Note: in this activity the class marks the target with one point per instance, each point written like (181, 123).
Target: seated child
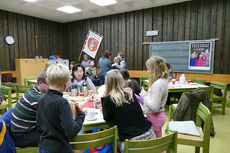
(116, 61)
(91, 71)
(54, 115)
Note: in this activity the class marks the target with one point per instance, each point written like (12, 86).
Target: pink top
(200, 61)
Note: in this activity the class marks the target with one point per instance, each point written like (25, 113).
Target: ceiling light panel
(103, 2)
(69, 9)
(31, 1)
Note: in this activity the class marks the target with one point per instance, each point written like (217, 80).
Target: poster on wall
(92, 44)
(200, 56)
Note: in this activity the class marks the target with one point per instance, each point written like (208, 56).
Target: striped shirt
(24, 114)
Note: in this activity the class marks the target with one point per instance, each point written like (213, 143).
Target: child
(116, 61)
(71, 66)
(121, 107)
(86, 61)
(193, 59)
(91, 71)
(54, 116)
(200, 60)
(155, 98)
(170, 68)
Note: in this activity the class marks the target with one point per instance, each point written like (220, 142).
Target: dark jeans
(101, 79)
(27, 139)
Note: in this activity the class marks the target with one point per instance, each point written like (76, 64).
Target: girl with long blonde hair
(156, 97)
(121, 107)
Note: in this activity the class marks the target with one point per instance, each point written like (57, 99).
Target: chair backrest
(7, 95)
(7, 77)
(158, 145)
(92, 140)
(203, 114)
(200, 81)
(142, 79)
(29, 78)
(22, 89)
(221, 86)
(27, 150)
(209, 91)
(13, 87)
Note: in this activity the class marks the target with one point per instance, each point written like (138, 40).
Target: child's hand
(78, 107)
(97, 100)
(143, 92)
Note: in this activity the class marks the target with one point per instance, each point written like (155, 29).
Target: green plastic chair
(203, 114)
(92, 140)
(209, 90)
(168, 143)
(142, 82)
(142, 79)
(200, 81)
(7, 98)
(13, 87)
(27, 150)
(222, 99)
(26, 79)
(21, 89)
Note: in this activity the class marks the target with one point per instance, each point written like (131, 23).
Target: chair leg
(205, 149)
(223, 107)
(197, 149)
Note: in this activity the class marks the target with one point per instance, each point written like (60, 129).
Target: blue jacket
(6, 142)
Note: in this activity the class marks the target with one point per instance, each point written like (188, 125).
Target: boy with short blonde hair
(54, 115)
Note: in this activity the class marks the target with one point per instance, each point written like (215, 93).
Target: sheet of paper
(184, 127)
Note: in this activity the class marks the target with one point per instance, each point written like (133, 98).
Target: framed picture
(200, 56)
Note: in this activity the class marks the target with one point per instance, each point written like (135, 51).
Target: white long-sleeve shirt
(156, 97)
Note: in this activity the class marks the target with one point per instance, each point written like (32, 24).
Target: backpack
(108, 148)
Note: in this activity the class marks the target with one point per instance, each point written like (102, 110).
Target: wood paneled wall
(194, 20)
(23, 28)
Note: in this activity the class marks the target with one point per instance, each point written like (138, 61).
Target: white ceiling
(46, 9)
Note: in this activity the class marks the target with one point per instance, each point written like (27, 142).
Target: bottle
(84, 89)
(182, 79)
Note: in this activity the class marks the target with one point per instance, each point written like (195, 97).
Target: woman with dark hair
(79, 78)
(170, 68)
(130, 82)
(105, 65)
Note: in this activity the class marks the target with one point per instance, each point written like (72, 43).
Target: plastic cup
(73, 92)
(173, 82)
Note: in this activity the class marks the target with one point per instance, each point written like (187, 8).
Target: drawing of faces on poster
(199, 56)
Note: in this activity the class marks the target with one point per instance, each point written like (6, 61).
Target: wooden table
(177, 87)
